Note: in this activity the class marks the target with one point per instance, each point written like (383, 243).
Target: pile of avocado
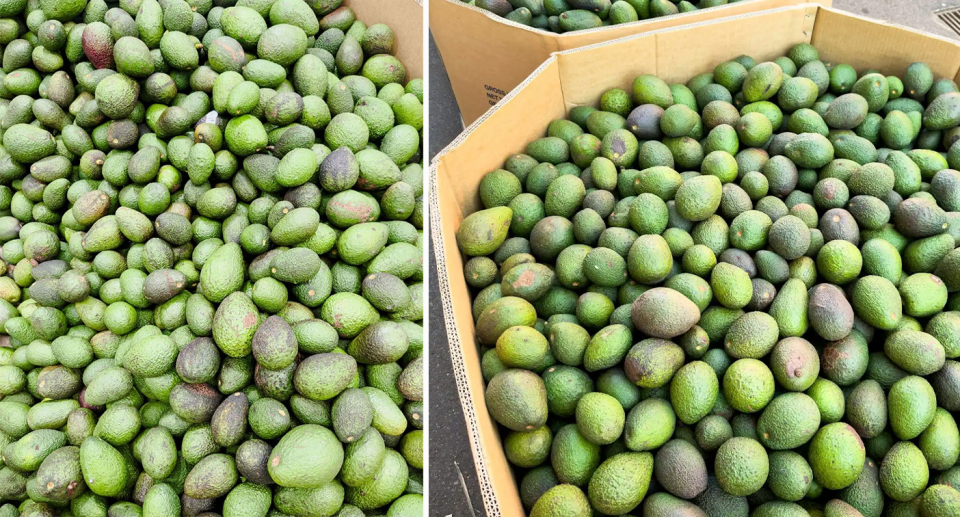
(578, 15)
(738, 296)
(211, 294)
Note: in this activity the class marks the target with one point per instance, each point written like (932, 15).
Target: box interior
(579, 77)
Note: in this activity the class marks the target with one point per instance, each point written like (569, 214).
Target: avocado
(574, 457)
(150, 357)
(693, 392)
(790, 475)
(502, 314)
(517, 399)
(836, 456)
(741, 466)
(698, 198)
(919, 217)
(104, 468)
(876, 301)
(522, 347)
(845, 361)
(829, 311)
(379, 343)
(158, 453)
(664, 313)
(324, 376)
(789, 237)
(483, 232)
(912, 406)
(748, 385)
(234, 324)
(228, 422)
(213, 476)
(866, 406)
(649, 259)
(680, 469)
(528, 449)
(939, 441)
(940, 500)
(762, 82)
(289, 467)
(560, 500)
(900, 482)
(916, 352)
(247, 497)
(600, 418)
(612, 498)
(59, 477)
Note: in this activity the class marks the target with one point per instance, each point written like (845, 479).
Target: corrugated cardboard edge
(494, 17)
(471, 416)
(405, 17)
(857, 51)
(674, 55)
(826, 15)
(817, 34)
(610, 28)
(678, 19)
(514, 50)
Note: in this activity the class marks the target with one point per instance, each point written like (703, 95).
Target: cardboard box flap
(499, 128)
(461, 4)
(864, 43)
(860, 42)
(407, 25)
(510, 51)
(494, 474)
(589, 69)
(487, 55)
(454, 198)
(762, 38)
(579, 39)
(676, 54)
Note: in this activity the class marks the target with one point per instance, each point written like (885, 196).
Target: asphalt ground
(454, 489)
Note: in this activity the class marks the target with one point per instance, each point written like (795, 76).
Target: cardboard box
(579, 77)
(405, 17)
(486, 56)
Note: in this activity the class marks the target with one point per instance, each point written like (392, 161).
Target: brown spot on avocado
(831, 356)
(525, 279)
(795, 364)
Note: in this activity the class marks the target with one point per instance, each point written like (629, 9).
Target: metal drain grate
(951, 17)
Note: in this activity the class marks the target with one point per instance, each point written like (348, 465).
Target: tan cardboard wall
(579, 77)
(864, 43)
(486, 56)
(405, 17)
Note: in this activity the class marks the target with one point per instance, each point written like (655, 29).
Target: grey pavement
(454, 489)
